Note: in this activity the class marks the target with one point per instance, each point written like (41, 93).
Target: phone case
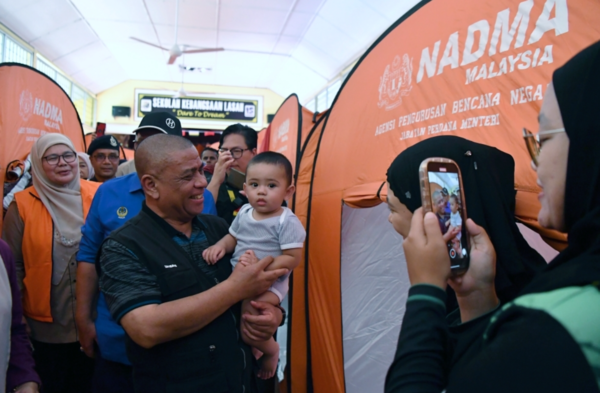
(426, 197)
(236, 179)
(424, 180)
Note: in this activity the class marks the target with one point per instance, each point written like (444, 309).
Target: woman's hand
(426, 252)
(475, 290)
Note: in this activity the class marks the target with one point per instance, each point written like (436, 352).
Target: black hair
(210, 149)
(249, 134)
(273, 158)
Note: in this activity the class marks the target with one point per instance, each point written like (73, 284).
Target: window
(322, 101)
(46, 68)
(88, 116)
(332, 92)
(15, 53)
(78, 97)
(64, 82)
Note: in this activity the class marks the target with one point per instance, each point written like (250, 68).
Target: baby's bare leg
(269, 348)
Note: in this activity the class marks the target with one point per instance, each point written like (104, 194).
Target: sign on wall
(201, 109)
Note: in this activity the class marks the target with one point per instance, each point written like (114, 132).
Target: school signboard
(201, 109)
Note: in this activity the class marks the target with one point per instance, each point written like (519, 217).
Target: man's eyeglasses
(53, 159)
(101, 157)
(235, 153)
(533, 141)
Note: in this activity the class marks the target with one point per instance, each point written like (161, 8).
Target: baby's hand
(213, 253)
(448, 223)
(248, 258)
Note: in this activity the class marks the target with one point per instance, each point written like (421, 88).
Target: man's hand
(248, 258)
(222, 166)
(475, 290)
(252, 280)
(426, 251)
(27, 387)
(450, 234)
(213, 253)
(87, 336)
(261, 327)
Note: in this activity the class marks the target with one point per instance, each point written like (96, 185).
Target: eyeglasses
(533, 141)
(53, 159)
(235, 153)
(101, 157)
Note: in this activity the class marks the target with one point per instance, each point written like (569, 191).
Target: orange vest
(37, 245)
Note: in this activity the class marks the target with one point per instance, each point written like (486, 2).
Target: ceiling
(288, 46)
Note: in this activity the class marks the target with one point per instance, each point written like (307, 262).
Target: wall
(124, 95)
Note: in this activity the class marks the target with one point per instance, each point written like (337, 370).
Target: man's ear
(253, 151)
(149, 186)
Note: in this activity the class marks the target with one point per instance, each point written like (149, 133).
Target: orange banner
(471, 68)
(262, 144)
(31, 105)
(286, 129)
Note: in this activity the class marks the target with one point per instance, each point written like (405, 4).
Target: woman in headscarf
(43, 228)
(86, 170)
(548, 338)
(488, 179)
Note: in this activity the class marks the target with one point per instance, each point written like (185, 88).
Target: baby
(455, 220)
(264, 228)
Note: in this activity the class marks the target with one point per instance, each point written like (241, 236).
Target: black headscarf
(577, 87)
(488, 181)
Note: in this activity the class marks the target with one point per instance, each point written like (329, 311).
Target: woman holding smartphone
(547, 339)
(488, 180)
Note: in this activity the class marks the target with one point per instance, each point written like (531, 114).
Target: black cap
(161, 121)
(103, 142)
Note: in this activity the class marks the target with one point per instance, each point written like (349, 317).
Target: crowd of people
(159, 274)
(129, 271)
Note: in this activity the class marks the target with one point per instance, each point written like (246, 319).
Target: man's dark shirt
(128, 284)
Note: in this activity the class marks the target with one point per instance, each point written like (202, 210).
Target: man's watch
(283, 314)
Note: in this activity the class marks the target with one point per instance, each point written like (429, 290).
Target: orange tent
(288, 129)
(263, 139)
(471, 68)
(31, 105)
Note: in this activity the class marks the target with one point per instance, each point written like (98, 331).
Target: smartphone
(236, 179)
(442, 193)
(100, 129)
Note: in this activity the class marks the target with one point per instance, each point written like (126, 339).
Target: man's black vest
(212, 360)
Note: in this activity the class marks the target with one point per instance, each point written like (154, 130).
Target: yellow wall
(124, 95)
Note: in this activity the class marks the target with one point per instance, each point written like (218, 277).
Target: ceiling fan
(175, 50)
(183, 69)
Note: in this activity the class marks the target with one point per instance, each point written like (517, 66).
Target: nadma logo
(26, 105)
(395, 83)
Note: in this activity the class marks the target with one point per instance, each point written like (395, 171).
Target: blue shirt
(115, 202)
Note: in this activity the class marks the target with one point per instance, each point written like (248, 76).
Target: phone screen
(447, 204)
